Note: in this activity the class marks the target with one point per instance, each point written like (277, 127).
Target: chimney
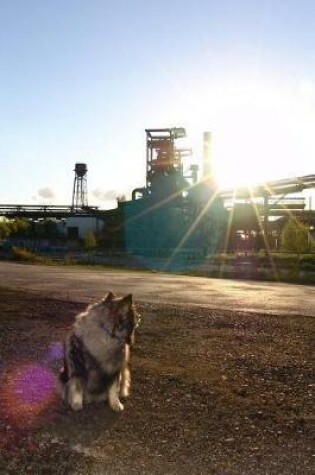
(207, 162)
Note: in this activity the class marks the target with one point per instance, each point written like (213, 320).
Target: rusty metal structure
(257, 214)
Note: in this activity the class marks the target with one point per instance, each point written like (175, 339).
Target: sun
(235, 176)
(250, 147)
(260, 132)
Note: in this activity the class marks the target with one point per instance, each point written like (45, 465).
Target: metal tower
(80, 194)
(165, 176)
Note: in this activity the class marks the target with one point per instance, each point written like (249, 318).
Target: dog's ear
(109, 297)
(125, 304)
(128, 298)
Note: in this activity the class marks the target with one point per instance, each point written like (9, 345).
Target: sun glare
(259, 132)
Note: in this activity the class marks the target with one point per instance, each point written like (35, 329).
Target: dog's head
(119, 317)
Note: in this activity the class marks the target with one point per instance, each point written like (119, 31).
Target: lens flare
(27, 390)
(54, 353)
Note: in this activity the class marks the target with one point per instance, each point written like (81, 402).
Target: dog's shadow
(70, 427)
(79, 428)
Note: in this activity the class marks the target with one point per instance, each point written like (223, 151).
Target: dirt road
(214, 392)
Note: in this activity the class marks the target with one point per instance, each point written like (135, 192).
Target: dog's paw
(77, 405)
(124, 392)
(117, 406)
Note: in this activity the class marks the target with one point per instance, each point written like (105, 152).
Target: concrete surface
(86, 284)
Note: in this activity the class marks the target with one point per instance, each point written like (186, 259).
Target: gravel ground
(214, 392)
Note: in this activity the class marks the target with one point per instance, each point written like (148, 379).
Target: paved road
(86, 284)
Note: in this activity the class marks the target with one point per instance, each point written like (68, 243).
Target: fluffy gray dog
(96, 353)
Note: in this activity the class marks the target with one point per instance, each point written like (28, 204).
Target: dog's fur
(97, 350)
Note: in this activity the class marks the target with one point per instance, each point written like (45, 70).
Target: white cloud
(102, 195)
(46, 193)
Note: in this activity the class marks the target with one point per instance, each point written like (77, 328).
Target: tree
(47, 229)
(89, 240)
(295, 237)
(4, 229)
(20, 228)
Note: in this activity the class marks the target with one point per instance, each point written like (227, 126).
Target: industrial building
(179, 211)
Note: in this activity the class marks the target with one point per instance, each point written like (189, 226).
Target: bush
(22, 254)
(89, 240)
(4, 230)
(295, 237)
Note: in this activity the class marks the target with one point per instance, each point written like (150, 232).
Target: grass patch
(25, 255)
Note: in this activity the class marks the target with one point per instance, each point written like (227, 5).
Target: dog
(97, 352)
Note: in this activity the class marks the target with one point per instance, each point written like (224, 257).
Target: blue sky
(80, 80)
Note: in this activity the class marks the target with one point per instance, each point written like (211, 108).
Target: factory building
(179, 211)
(77, 227)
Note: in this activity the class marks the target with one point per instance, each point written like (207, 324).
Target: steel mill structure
(174, 213)
(180, 211)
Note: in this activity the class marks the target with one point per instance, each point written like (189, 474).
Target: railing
(20, 210)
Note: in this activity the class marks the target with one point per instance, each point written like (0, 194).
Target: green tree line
(22, 228)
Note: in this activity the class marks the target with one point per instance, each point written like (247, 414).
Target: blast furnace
(174, 215)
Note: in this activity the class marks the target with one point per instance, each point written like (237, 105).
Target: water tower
(80, 195)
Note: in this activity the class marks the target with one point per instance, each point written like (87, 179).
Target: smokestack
(207, 162)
